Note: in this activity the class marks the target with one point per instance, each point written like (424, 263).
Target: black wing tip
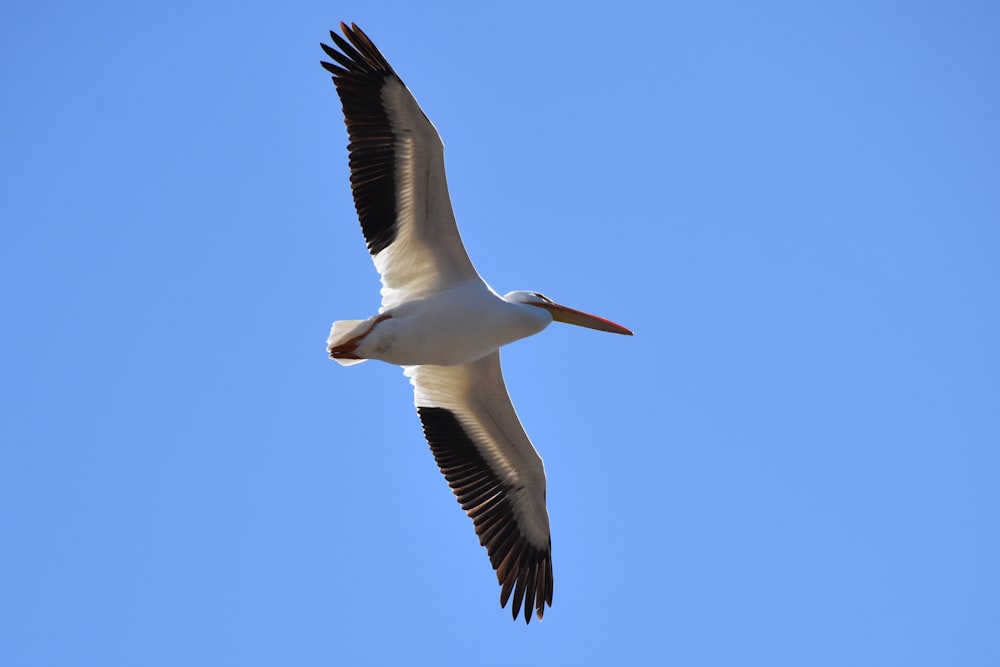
(531, 583)
(524, 570)
(357, 54)
(359, 73)
(352, 31)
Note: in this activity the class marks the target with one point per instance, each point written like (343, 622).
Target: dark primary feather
(359, 76)
(521, 567)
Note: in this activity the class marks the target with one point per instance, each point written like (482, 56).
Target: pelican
(442, 323)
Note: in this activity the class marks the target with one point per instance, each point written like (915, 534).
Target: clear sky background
(795, 461)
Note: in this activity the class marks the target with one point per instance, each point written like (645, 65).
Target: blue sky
(795, 461)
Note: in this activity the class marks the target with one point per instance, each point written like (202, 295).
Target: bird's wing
(397, 175)
(491, 465)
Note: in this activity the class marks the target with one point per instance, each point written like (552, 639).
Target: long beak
(582, 319)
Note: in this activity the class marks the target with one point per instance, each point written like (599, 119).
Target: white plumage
(442, 322)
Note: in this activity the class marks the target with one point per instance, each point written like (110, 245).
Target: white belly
(453, 327)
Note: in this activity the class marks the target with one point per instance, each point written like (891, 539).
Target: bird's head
(563, 314)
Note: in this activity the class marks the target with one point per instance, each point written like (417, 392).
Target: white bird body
(456, 326)
(442, 323)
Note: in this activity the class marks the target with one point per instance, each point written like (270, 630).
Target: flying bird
(442, 323)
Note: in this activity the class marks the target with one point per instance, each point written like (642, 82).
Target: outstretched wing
(397, 175)
(495, 472)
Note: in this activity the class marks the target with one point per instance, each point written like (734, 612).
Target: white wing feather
(476, 394)
(427, 255)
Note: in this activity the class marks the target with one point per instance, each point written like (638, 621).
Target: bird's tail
(343, 339)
